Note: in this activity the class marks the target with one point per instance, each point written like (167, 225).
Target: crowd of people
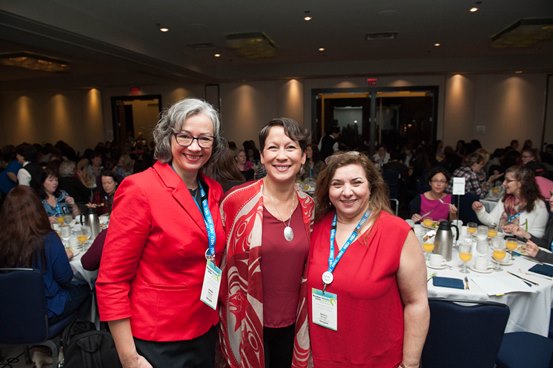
(215, 254)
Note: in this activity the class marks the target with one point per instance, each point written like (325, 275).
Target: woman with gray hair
(165, 235)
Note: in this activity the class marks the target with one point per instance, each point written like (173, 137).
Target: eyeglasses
(439, 181)
(185, 140)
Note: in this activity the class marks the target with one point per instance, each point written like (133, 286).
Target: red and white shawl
(241, 291)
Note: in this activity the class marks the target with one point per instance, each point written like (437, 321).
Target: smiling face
(282, 156)
(349, 192)
(511, 184)
(438, 183)
(187, 161)
(50, 184)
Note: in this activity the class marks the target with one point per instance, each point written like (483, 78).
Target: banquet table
(530, 311)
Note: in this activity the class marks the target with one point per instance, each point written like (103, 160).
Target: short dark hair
(292, 129)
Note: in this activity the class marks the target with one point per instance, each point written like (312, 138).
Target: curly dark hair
(529, 190)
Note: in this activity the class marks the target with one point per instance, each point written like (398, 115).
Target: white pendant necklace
(288, 231)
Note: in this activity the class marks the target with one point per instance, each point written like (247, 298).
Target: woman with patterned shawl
(268, 222)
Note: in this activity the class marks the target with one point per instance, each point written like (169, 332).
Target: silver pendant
(288, 233)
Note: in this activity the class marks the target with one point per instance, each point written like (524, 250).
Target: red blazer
(153, 262)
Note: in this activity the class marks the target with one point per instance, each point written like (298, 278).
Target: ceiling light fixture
(437, 44)
(217, 55)
(524, 33)
(164, 29)
(518, 71)
(32, 61)
(322, 49)
(307, 16)
(254, 45)
(474, 9)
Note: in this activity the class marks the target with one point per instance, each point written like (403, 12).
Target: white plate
(505, 262)
(436, 268)
(488, 270)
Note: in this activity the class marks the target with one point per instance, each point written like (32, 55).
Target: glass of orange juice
(471, 228)
(492, 232)
(428, 248)
(511, 244)
(465, 255)
(428, 222)
(60, 220)
(498, 254)
(83, 235)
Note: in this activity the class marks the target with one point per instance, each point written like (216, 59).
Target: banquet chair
(464, 333)
(525, 349)
(23, 312)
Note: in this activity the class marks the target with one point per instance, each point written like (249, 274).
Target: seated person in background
(56, 202)
(29, 173)
(470, 170)
(69, 182)
(125, 166)
(530, 158)
(533, 243)
(102, 198)
(91, 259)
(435, 203)
(245, 166)
(522, 204)
(225, 170)
(381, 156)
(27, 240)
(313, 164)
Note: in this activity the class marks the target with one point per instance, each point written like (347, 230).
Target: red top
(370, 311)
(440, 210)
(153, 262)
(282, 264)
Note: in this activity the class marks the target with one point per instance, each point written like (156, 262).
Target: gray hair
(67, 168)
(173, 119)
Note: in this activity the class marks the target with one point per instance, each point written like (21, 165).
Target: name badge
(211, 285)
(325, 309)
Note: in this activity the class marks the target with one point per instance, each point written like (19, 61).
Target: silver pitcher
(443, 243)
(90, 219)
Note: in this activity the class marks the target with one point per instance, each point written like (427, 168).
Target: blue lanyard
(209, 224)
(332, 262)
(511, 218)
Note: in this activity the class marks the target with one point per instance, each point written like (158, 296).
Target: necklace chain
(288, 232)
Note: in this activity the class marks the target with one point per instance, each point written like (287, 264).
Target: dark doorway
(134, 115)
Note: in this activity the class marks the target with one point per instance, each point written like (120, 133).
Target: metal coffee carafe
(443, 243)
(90, 219)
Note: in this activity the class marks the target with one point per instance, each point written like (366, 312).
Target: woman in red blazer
(164, 226)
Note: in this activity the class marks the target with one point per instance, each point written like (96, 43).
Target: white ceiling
(117, 42)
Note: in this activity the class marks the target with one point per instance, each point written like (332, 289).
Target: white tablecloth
(529, 311)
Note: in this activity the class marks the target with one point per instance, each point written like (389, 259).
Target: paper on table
(499, 284)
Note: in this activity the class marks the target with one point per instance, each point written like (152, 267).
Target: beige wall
(492, 108)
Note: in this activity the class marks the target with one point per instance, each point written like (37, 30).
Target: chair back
(23, 311)
(464, 333)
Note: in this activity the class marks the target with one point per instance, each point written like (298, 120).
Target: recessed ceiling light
(474, 9)
(307, 16)
(518, 71)
(164, 29)
(217, 55)
(321, 49)
(437, 44)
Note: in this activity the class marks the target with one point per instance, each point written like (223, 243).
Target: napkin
(542, 269)
(448, 282)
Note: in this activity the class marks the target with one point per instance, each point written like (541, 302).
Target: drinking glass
(65, 234)
(428, 247)
(83, 235)
(482, 232)
(511, 244)
(498, 254)
(471, 228)
(492, 232)
(60, 220)
(466, 255)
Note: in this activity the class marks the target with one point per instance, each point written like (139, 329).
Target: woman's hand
(416, 217)
(516, 230)
(477, 206)
(531, 248)
(452, 209)
(70, 200)
(139, 362)
(52, 219)
(69, 253)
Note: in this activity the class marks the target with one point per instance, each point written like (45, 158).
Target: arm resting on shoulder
(412, 287)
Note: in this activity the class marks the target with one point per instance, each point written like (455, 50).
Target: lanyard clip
(209, 257)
